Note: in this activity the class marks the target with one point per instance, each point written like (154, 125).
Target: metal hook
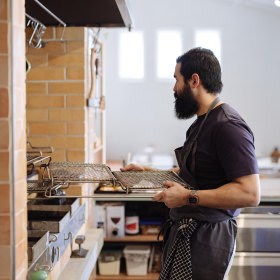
(38, 32)
(54, 16)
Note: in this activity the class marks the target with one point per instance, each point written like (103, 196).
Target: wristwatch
(193, 198)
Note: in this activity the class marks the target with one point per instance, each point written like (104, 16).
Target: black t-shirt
(225, 148)
(225, 151)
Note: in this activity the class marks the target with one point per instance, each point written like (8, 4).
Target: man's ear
(195, 80)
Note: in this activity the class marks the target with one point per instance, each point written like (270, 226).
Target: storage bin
(136, 257)
(151, 226)
(109, 262)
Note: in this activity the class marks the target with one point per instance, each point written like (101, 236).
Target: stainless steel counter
(257, 244)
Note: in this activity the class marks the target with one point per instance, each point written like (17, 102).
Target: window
(209, 39)
(169, 47)
(131, 55)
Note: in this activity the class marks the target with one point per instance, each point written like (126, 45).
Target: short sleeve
(235, 149)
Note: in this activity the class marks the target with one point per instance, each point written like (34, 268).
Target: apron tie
(178, 265)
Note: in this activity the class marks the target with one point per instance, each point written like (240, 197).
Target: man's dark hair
(204, 63)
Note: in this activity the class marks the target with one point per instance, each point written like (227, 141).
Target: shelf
(124, 197)
(123, 276)
(81, 268)
(135, 238)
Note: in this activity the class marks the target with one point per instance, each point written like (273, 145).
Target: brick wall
(13, 234)
(57, 88)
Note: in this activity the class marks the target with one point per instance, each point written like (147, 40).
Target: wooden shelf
(123, 276)
(135, 238)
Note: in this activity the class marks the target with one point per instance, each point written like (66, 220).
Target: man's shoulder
(229, 121)
(226, 113)
(227, 116)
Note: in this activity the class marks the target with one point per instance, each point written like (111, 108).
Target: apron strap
(193, 144)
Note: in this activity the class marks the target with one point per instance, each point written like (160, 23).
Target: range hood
(91, 13)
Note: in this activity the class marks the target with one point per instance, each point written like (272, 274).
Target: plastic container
(109, 262)
(131, 224)
(150, 227)
(136, 257)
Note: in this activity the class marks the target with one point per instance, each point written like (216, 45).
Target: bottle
(39, 275)
(275, 155)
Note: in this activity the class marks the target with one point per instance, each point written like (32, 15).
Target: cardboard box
(100, 217)
(115, 221)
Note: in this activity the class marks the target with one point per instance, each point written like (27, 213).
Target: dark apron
(212, 244)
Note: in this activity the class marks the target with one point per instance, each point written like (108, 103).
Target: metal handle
(69, 236)
(53, 238)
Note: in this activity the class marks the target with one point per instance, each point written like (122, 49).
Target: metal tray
(147, 180)
(71, 205)
(37, 245)
(68, 172)
(49, 221)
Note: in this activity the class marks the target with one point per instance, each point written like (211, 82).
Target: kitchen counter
(81, 268)
(270, 190)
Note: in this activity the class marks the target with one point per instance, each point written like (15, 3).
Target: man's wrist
(193, 198)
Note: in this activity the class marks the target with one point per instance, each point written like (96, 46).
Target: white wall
(142, 113)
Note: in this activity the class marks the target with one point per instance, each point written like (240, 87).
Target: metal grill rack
(35, 158)
(32, 156)
(38, 186)
(60, 175)
(147, 180)
(33, 149)
(71, 172)
(44, 187)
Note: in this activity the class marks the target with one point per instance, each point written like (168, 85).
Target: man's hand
(133, 167)
(174, 196)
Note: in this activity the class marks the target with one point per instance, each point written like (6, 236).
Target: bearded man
(218, 161)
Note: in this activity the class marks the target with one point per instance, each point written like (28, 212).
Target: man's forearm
(148, 168)
(243, 192)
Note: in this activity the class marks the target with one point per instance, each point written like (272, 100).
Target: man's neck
(206, 102)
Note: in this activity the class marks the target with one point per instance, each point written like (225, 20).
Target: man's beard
(185, 104)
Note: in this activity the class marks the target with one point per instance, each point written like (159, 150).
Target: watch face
(193, 200)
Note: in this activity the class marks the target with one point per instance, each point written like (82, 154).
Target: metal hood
(91, 13)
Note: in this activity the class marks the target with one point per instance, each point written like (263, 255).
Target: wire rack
(147, 180)
(38, 186)
(63, 172)
(60, 175)
(45, 187)
(30, 158)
